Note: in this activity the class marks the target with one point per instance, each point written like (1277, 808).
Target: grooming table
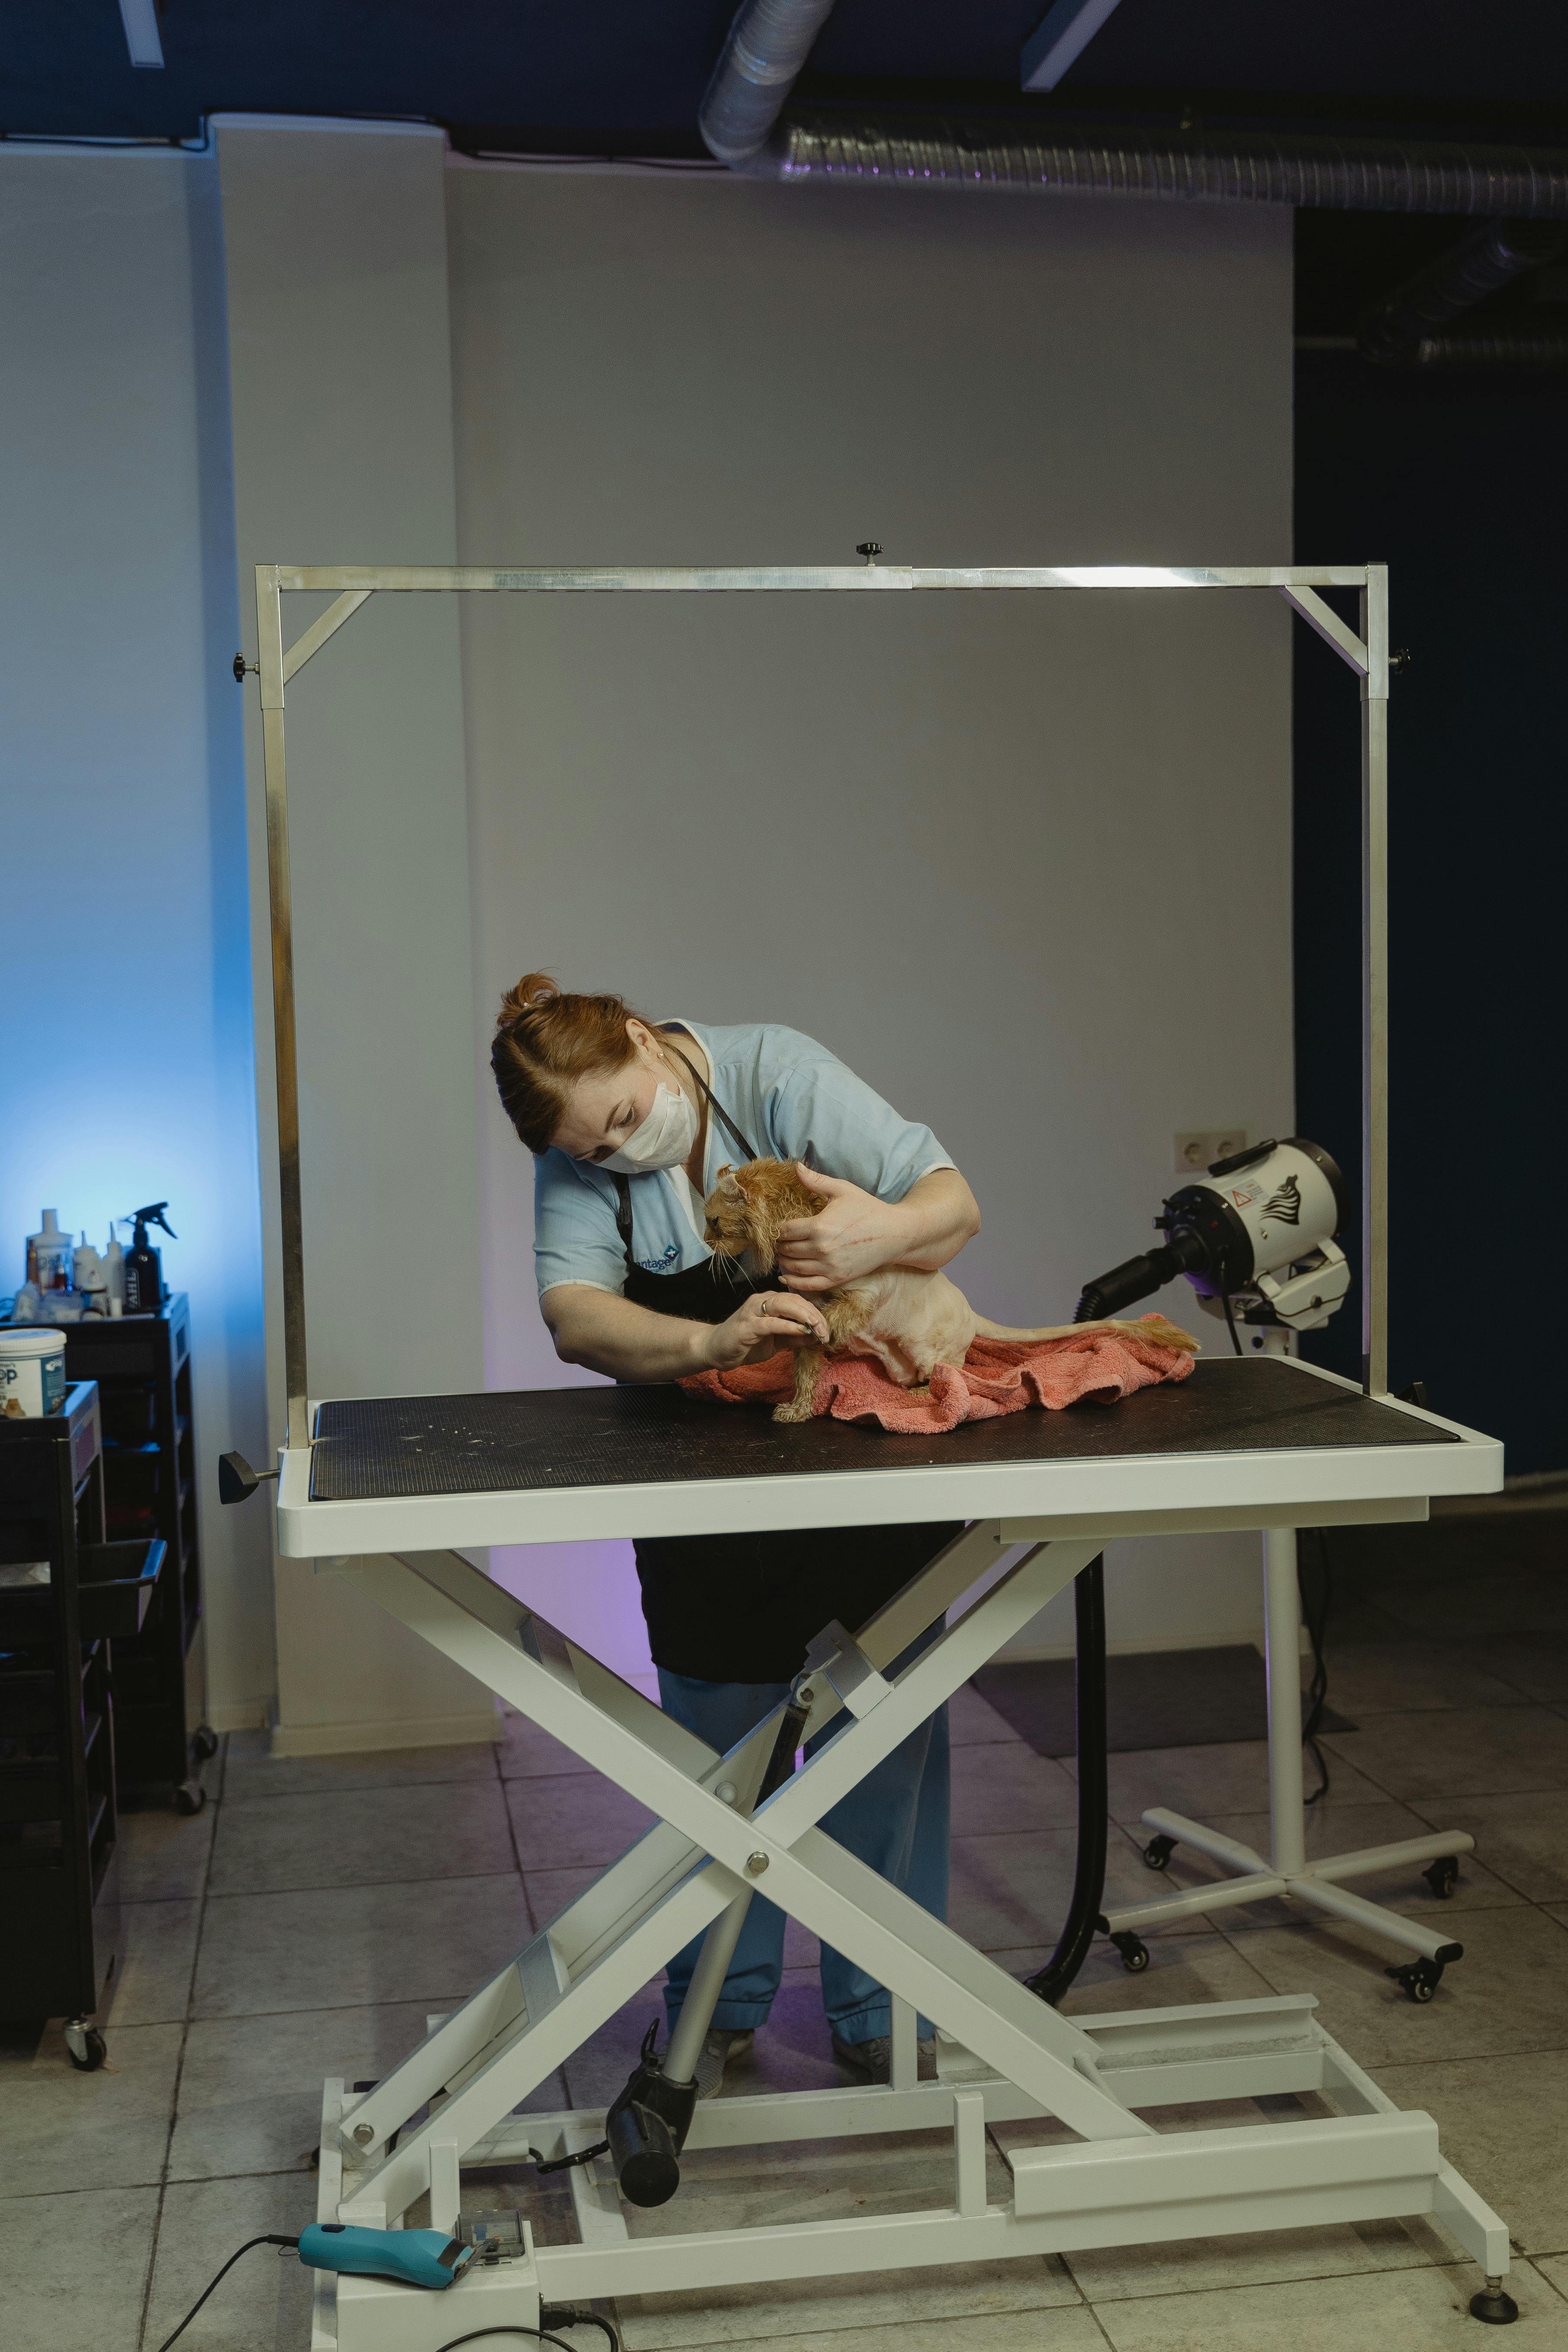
(388, 1490)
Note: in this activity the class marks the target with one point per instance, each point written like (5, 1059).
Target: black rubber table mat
(368, 1448)
(1153, 1698)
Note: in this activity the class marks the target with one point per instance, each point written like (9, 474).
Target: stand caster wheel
(1158, 1852)
(85, 2047)
(1420, 1977)
(1492, 2306)
(1443, 1876)
(204, 1743)
(1134, 1953)
(189, 1796)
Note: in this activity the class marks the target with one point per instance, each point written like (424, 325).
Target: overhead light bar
(1057, 42)
(142, 38)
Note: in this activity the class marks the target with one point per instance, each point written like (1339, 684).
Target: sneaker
(873, 2061)
(721, 2045)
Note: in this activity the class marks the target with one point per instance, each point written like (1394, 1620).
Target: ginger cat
(910, 1320)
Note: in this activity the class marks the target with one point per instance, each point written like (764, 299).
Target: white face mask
(663, 1141)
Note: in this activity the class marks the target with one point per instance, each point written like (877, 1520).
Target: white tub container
(32, 1373)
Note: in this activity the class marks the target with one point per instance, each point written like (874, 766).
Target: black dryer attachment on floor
(647, 2128)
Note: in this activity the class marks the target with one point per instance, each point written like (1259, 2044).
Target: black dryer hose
(1085, 1912)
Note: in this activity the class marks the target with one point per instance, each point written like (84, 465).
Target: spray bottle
(144, 1266)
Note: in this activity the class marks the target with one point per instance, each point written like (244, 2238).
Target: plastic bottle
(114, 1272)
(49, 1256)
(91, 1282)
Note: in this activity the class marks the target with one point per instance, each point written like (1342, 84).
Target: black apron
(741, 1608)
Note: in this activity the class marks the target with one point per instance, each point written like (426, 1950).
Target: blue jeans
(895, 1820)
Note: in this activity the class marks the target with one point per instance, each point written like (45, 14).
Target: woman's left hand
(854, 1234)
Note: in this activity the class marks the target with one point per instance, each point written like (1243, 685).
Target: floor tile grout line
(1308, 2278)
(511, 1834)
(179, 2068)
(358, 1886)
(1487, 2058)
(176, 2180)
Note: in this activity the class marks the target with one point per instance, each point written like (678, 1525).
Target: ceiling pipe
(1402, 329)
(1038, 155)
(743, 122)
(763, 52)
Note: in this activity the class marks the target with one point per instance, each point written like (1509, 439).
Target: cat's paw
(792, 1411)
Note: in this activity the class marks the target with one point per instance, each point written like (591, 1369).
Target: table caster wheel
(1134, 1953)
(204, 1743)
(189, 1796)
(1420, 1977)
(85, 2047)
(1493, 2306)
(1443, 1876)
(1158, 1852)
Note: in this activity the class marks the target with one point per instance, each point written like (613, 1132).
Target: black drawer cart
(141, 1364)
(65, 1595)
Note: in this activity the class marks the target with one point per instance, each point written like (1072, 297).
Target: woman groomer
(630, 1122)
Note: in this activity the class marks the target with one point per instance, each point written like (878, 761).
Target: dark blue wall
(1457, 483)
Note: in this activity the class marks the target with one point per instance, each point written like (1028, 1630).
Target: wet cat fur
(910, 1320)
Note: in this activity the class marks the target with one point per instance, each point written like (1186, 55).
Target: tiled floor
(308, 1920)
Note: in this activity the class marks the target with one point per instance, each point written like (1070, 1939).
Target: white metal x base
(1315, 1885)
(1002, 2055)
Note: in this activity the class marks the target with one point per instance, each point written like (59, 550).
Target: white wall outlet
(1196, 1152)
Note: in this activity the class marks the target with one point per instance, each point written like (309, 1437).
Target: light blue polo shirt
(791, 1099)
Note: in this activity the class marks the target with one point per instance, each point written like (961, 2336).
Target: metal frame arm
(353, 583)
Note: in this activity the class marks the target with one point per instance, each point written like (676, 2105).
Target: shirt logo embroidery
(663, 1263)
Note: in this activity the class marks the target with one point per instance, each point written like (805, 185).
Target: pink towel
(998, 1376)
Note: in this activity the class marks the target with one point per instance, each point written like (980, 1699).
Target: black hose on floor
(1084, 1910)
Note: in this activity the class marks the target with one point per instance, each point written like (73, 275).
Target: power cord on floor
(502, 2327)
(550, 2315)
(565, 2163)
(561, 2314)
(222, 2274)
(557, 2315)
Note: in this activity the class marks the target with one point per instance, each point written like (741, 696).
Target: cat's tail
(1153, 1328)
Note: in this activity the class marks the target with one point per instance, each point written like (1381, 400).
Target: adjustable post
(1374, 982)
(1282, 1648)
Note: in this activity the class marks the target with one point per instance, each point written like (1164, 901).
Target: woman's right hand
(769, 1321)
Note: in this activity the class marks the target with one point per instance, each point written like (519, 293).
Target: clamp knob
(870, 549)
(240, 667)
(236, 1481)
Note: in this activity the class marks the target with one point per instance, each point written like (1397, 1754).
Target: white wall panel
(1022, 861)
(340, 360)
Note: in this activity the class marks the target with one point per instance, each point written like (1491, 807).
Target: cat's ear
(727, 1180)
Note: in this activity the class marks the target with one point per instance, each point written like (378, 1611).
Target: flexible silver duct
(1309, 173)
(1403, 325)
(1493, 352)
(767, 45)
